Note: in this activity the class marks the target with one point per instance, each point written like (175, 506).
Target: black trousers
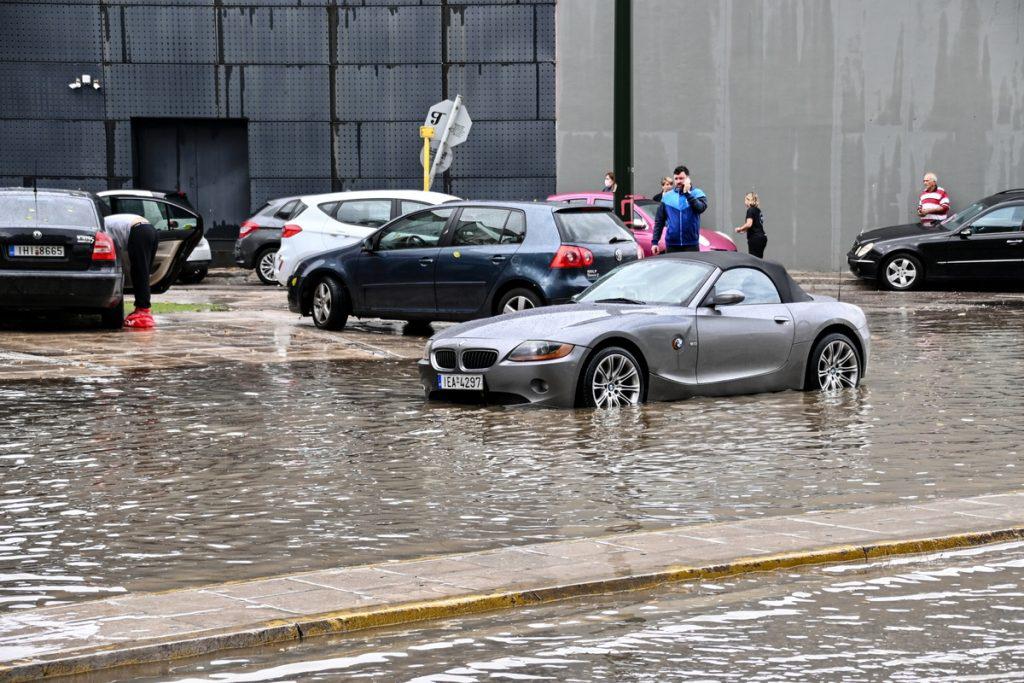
(756, 245)
(672, 248)
(141, 252)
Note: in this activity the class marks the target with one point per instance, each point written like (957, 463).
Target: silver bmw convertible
(664, 328)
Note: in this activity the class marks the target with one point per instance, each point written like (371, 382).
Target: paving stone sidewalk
(155, 627)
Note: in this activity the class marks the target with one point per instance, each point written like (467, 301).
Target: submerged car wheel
(901, 272)
(330, 305)
(614, 378)
(265, 266)
(834, 364)
(520, 299)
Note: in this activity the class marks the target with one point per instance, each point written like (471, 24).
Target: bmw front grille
(478, 359)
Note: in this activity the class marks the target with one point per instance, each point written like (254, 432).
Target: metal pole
(444, 135)
(427, 133)
(622, 109)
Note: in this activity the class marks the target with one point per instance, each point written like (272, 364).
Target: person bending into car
(680, 210)
(135, 236)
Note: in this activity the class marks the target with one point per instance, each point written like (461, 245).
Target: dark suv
(461, 261)
(260, 236)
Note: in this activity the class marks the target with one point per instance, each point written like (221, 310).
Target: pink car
(644, 212)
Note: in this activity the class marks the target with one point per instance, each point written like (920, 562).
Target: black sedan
(55, 256)
(984, 241)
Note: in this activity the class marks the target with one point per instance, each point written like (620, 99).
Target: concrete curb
(343, 621)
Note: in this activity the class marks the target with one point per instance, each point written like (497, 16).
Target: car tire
(901, 273)
(193, 276)
(330, 304)
(113, 318)
(417, 328)
(834, 364)
(518, 299)
(613, 378)
(265, 265)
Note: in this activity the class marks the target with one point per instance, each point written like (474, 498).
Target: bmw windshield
(652, 281)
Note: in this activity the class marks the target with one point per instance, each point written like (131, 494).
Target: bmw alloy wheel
(322, 303)
(838, 367)
(517, 303)
(901, 273)
(616, 382)
(266, 265)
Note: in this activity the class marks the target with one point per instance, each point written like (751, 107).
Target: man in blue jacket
(680, 209)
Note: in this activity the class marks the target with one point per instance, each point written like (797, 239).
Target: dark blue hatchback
(461, 261)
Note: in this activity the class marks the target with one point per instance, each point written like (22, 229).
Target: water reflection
(165, 479)
(950, 616)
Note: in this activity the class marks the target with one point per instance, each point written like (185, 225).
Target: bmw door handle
(497, 259)
(781, 319)
(426, 261)
(1014, 241)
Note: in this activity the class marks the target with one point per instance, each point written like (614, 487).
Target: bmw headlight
(540, 350)
(863, 251)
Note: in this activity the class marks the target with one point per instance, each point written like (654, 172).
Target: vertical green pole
(622, 92)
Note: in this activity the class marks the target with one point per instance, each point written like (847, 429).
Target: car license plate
(461, 382)
(42, 250)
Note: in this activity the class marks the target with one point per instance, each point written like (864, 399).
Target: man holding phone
(680, 211)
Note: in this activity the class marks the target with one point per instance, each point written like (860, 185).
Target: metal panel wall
(334, 90)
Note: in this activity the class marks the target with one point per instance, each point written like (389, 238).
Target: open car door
(178, 232)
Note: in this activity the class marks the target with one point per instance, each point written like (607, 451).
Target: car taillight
(103, 248)
(247, 228)
(290, 230)
(569, 256)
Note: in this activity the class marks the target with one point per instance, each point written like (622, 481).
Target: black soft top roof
(789, 290)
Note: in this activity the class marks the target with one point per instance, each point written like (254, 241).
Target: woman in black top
(666, 185)
(754, 226)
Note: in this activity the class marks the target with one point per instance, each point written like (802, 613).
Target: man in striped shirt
(933, 206)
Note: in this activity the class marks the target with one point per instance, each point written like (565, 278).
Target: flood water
(157, 480)
(952, 616)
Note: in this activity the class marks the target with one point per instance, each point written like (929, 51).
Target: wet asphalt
(246, 443)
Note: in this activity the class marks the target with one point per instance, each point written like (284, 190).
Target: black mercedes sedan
(984, 241)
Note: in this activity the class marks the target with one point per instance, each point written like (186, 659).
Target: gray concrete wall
(830, 110)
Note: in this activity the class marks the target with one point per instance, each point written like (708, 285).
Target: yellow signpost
(427, 133)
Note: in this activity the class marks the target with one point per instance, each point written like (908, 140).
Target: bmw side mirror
(368, 244)
(966, 232)
(638, 224)
(729, 297)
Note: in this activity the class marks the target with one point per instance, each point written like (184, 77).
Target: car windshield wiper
(616, 240)
(620, 300)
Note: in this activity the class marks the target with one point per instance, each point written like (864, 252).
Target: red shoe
(140, 319)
